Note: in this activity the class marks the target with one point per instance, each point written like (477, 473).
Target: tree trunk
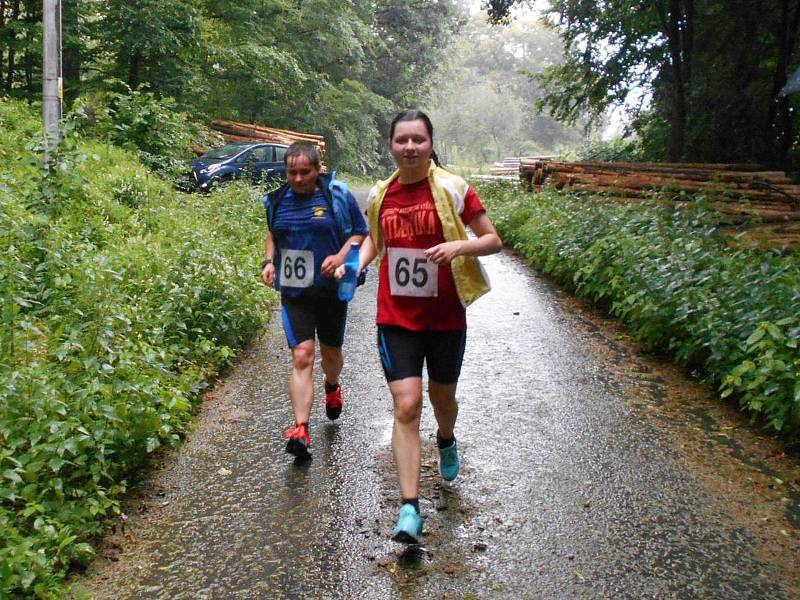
(779, 125)
(2, 26)
(11, 50)
(134, 69)
(786, 115)
(677, 34)
(31, 17)
(71, 51)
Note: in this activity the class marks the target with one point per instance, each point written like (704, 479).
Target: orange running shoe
(333, 402)
(299, 441)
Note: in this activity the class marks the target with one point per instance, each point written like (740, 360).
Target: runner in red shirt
(421, 312)
(408, 219)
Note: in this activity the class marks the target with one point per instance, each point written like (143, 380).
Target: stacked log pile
(512, 166)
(508, 168)
(532, 171)
(234, 131)
(747, 196)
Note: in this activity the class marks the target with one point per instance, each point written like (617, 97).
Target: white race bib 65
(297, 268)
(411, 273)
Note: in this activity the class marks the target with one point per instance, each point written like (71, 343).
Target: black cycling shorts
(403, 352)
(305, 318)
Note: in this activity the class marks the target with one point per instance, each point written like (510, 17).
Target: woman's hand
(443, 254)
(330, 264)
(268, 274)
(365, 256)
(341, 270)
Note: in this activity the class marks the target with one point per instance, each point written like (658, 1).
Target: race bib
(411, 273)
(297, 268)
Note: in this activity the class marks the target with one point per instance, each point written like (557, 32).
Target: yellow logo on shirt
(319, 212)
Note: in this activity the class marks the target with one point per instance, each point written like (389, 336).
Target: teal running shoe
(448, 462)
(409, 526)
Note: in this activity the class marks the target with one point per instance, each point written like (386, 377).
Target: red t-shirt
(408, 219)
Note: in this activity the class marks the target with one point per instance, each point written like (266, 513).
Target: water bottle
(347, 285)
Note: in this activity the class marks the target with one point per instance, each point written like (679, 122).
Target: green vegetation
(617, 149)
(731, 315)
(141, 121)
(340, 69)
(121, 299)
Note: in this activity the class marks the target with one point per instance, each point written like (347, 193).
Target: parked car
(254, 161)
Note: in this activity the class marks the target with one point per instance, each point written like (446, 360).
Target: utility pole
(52, 88)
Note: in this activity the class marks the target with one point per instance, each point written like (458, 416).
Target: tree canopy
(702, 76)
(336, 68)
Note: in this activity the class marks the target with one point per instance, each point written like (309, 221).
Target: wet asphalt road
(588, 472)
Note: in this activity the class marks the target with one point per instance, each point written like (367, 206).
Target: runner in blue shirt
(312, 221)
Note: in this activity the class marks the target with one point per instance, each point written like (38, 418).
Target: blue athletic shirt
(304, 222)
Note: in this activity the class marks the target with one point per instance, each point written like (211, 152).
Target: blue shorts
(403, 352)
(307, 318)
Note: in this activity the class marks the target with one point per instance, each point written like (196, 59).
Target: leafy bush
(617, 149)
(141, 121)
(120, 300)
(731, 314)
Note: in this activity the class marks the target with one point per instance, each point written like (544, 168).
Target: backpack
(332, 189)
(335, 193)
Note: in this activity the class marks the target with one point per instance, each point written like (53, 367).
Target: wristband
(267, 261)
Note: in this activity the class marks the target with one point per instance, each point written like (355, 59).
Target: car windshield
(225, 151)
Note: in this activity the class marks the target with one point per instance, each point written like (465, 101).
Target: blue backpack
(336, 195)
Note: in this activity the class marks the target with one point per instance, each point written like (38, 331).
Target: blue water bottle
(347, 285)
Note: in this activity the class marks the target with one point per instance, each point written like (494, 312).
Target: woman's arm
(332, 262)
(486, 242)
(268, 271)
(367, 254)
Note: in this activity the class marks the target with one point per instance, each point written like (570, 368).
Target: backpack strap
(326, 184)
(271, 202)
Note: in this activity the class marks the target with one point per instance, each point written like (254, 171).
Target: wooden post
(52, 89)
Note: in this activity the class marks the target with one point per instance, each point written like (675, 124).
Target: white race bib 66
(411, 273)
(297, 268)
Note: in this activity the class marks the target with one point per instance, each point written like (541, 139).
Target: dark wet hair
(415, 115)
(303, 148)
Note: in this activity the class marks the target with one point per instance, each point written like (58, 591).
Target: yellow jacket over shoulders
(448, 191)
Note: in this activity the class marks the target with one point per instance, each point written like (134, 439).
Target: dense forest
(335, 68)
(700, 80)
